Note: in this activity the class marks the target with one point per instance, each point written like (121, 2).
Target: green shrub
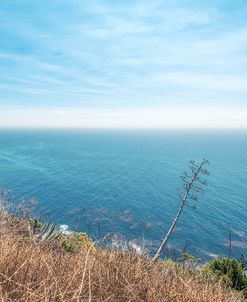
(36, 223)
(76, 241)
(230, 271)
(186, 258)
(189, 262)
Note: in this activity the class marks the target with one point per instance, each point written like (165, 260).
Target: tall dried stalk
(190, 182)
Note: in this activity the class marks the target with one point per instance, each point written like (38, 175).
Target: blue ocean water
(125, 182)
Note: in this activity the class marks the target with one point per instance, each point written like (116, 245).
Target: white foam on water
(64, 228)
(212, 255)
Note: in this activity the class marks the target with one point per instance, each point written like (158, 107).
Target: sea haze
(125, 182)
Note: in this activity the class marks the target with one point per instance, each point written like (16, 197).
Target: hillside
(46, 271)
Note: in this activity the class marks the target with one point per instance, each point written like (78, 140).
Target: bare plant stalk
(230, 242)
(189, 185)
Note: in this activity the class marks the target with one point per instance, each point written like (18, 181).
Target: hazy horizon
(123, 64)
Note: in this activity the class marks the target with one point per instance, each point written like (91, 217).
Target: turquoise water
(125, 182)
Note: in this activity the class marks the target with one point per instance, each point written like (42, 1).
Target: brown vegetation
(31, 271)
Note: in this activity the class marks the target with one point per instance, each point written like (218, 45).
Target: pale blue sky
(123, 63)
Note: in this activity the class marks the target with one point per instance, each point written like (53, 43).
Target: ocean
(125, 182)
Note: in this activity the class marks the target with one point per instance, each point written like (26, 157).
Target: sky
(123, 63)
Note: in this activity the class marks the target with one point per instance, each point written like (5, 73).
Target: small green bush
(230, 271)
(187, 258)
(76, 241)
(36, 223)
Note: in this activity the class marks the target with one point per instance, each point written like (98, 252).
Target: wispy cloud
(112, 55)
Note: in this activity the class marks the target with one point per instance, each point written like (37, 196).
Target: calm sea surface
(125, 182)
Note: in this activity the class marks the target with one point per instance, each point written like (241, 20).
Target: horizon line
(125, 128)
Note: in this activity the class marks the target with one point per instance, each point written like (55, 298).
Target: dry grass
(34, 272)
